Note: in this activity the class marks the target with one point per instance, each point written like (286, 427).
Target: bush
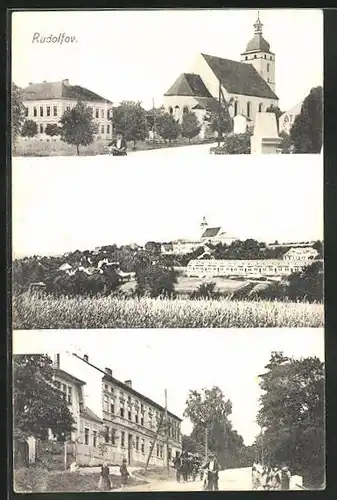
(235, 144)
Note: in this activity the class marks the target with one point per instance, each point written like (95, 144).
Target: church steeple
(203, 225)
(258, 25)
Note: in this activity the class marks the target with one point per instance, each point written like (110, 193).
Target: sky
(183, 360)
(137, 55)
(62, 204)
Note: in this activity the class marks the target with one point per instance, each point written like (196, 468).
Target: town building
(46, 102)
(248, 85)
(268, 268)
(113, 421)
(301, 253)
(215, 235)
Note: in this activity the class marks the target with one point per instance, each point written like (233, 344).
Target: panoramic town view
(242, 423)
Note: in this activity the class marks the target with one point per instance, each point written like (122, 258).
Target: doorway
(129, 449)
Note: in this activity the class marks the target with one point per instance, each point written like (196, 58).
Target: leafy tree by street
(38, 404)
(156, 280)
(17, 112)
(168, 128)
(77, 126)
(129, 118)
(190, 126)
(52, 129)
(29, 128)
(292, 415)
(307, 284)
(224, 117)
(307, 131)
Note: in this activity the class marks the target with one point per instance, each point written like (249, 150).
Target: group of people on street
(270, 477)
(118, 146)
(104, 483)
(190, 465)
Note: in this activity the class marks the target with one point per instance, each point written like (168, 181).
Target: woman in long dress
(104, 480)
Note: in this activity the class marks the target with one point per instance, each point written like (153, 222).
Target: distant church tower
(203, 225)
(259, 55)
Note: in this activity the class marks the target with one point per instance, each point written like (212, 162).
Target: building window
(137, 443)
(171, 110)
(48, 110)
(102, 113)
(94, 438)
(254, 56)
(68, 108)
(268, 67)
(41, 110)
(102, 129)
(142, 408)
(129, 415)
(136, 418)
(41, 129)
(35, 111)
(249, 109)
(106, 434)
(265, 56)
(106, 387)
(157, 450)
(55, 110)
(106, 403)
(185, 109)
(142, 446)
(112, 407)
(113, 436)
(260, 107)
(122, 439)
(122, 411)
(97, 113)
(69, 396)
(108, 129)
(26, 111)
(86, 436)
(246, 58)
(236, 108)
(142, 421)
(271, 58)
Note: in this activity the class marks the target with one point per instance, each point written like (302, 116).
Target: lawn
(38, 480)
(31, 311)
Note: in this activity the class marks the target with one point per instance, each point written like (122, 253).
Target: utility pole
(154, 441)
(219, 114)
(206, 442)
(167, 436)
(154, 123)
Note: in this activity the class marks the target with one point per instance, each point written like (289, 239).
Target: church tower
(259, 55)
(203, 225)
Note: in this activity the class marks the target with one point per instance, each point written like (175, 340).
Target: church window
(236, 105)
(254, 56)
(246, 58)
(260, 107)
(170, 110)
(185, 110)
(268, 68)
(249, 109)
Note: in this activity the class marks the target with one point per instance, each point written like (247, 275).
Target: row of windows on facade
(66, 391)
(236, 109)
(97, 113)
(264, 57)
(103, 128)
(109, 406)
(257, 269)
(111, 437)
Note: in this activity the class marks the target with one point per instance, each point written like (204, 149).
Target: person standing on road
(104, 483)
(212, 468)
(124, 473)
(285, 478)
(177, 466)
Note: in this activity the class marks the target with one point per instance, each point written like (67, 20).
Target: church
(248, 86)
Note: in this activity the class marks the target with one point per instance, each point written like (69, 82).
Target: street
(229, 480)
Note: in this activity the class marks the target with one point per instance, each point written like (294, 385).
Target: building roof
(239, 78)
(258, 43)
(252, 262)
(68, 376)
(59, 90)
(90, 415)
(210, 232)
(207, 103)
(189, 84)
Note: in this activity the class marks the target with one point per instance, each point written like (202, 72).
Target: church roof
(239, 78)
(208, 103)
(210, 232)
(258, 43)
(189, 84)
(59, 90)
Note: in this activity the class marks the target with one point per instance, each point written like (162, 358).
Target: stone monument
(265, 139)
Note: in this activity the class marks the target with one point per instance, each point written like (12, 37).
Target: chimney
(108, 371)
(86, 358)
(128, 382)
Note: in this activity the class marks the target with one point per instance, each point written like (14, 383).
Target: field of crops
(31, 311)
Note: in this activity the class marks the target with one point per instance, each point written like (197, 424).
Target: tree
(38, 404)
(276, 110)
(292, 414)
(190, 125)
(129, 118)
(155, 280)
(77, 127)
(52, 129)
(168, 128)
(221, 121)
(307, 131)
(29, 128)
(17, 112)
(307, 284)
